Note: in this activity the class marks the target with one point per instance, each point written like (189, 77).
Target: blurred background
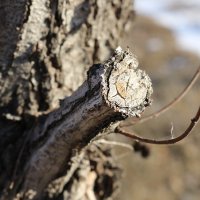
(165, 36)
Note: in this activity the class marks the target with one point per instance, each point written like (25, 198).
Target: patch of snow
(181, 16)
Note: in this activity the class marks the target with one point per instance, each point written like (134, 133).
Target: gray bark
(113, 91)
(95, 105)
(46, 48)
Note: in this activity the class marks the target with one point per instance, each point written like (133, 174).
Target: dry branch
(112, 91)
(174, 140)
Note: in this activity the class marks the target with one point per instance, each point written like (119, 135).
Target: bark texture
(113, 91)
(46, 48)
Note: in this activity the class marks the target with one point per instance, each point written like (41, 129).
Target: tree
(46, 48)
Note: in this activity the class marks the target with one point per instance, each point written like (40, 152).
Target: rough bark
(113, 91)
(46, 48)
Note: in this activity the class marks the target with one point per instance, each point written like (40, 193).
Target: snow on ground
(181, 16)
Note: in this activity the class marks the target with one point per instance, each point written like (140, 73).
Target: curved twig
(167, 141)
(169, 105)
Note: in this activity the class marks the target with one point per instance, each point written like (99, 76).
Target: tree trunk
(46, 48)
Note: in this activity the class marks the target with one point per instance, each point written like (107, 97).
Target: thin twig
(169, 105)
(167, 141)
(123, 155)
(171, 131)
(115, 143)
(121, 144)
